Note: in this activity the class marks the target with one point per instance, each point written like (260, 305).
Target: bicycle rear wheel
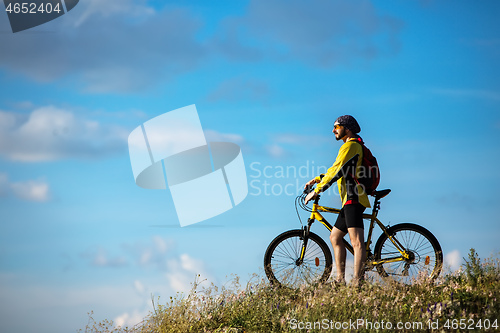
(280, 260)
(426, 256)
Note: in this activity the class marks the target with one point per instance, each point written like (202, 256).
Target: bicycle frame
(316, 215)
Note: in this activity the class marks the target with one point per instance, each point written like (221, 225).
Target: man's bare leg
(357, 236)
(339, 252)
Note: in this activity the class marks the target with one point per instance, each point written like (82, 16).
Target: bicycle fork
(305, 239)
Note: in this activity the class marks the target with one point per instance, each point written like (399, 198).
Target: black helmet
(348, 122)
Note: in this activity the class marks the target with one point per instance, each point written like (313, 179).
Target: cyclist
(354, 200)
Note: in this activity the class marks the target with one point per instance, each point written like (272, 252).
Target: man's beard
(340, 135)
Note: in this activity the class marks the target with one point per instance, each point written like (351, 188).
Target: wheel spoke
(418, 244)
(281, 261)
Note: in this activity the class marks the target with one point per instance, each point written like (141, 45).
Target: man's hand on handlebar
(311, 195)
(309, 184)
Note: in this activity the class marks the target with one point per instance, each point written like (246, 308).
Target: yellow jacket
(347, 151)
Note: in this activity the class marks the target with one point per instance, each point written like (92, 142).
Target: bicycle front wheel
(425, 254)
(281, 260)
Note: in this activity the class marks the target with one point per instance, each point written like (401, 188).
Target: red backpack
(369, 174)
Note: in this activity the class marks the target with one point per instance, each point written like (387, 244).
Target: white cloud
(160, 244)
(136, 315)
(453, 260)
(139, 287)
(48, 301)
(179, 271)
(129, 299)
(29, 190)
(130, 319)
(102, 259)
(149, 254)
(214, 136)
(146, 254)
(50, 133)
(183, 271)
(4, 184)
(7, 120)
(276, 151)
(127, 46)
(285, 143)
(112, 46)
(111, 7)
(323, 33)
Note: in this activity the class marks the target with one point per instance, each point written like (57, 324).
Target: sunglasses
(337, 126)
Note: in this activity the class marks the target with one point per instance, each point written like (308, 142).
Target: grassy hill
(460, 301)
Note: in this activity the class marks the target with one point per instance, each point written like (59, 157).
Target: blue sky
(77, 234)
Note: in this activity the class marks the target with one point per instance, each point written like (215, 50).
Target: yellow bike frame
(316, 215)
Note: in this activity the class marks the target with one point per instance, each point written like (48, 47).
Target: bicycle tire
(426, 256)
(280, 260)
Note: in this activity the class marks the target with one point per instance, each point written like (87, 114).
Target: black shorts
(350, 216)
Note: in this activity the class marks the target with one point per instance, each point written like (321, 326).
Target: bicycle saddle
(380, 194)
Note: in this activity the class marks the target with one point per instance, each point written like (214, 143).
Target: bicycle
(404, 251)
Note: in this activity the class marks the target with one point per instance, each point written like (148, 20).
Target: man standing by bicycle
(353, 196)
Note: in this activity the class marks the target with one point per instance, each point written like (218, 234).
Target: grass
(456, 301)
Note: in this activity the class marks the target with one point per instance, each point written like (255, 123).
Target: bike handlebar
(308, 189)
